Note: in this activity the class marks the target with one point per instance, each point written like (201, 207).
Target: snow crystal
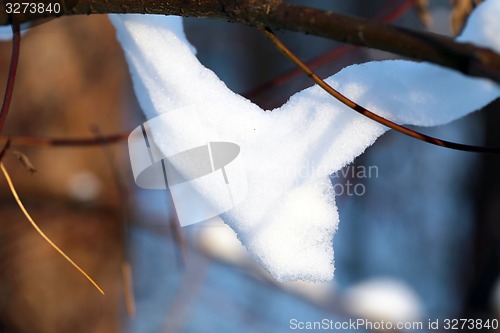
(289, 216)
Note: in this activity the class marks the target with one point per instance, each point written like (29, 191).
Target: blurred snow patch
(318, 292)
(383, 299)
(84, 186)
(218, 240)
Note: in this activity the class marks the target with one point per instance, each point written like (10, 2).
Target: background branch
(276, 14)
(14, 61)
(37, 141)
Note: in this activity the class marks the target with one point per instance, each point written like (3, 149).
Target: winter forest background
(421, 242)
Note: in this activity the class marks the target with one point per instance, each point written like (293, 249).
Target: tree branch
(440, 50)
(36, 141)
(367, 113)
(14, 61)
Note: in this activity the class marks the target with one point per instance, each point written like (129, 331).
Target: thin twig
(125, 204)
(402, 8)
(174, 225)
(40, 232)
(36, 141)
(283, 78)
(128, 287)
(329, 56)
(14, 60)
(367, 113)
(6, 147)
(176, 233)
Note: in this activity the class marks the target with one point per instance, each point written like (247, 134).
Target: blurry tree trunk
(71, 77)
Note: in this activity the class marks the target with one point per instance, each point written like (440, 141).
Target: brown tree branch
(37, 141)
(463, 57)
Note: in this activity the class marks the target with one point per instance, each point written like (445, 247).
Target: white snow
(384, 299)
(289, 216)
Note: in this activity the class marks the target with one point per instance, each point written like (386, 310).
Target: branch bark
(463, 57)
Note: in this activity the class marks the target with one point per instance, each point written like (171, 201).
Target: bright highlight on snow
(287, 221)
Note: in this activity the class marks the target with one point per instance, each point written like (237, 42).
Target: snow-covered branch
(462, 57)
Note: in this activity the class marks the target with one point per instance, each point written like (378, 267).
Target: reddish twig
(4, 150)
(65, 142)
(400, 9)
(9, 89)
(367, 113)
(174, 225)
(391, 16)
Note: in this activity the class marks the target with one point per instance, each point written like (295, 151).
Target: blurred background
(420, 242)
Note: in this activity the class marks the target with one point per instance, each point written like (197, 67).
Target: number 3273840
(32, 8)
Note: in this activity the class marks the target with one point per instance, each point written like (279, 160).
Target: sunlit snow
(289, 216)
